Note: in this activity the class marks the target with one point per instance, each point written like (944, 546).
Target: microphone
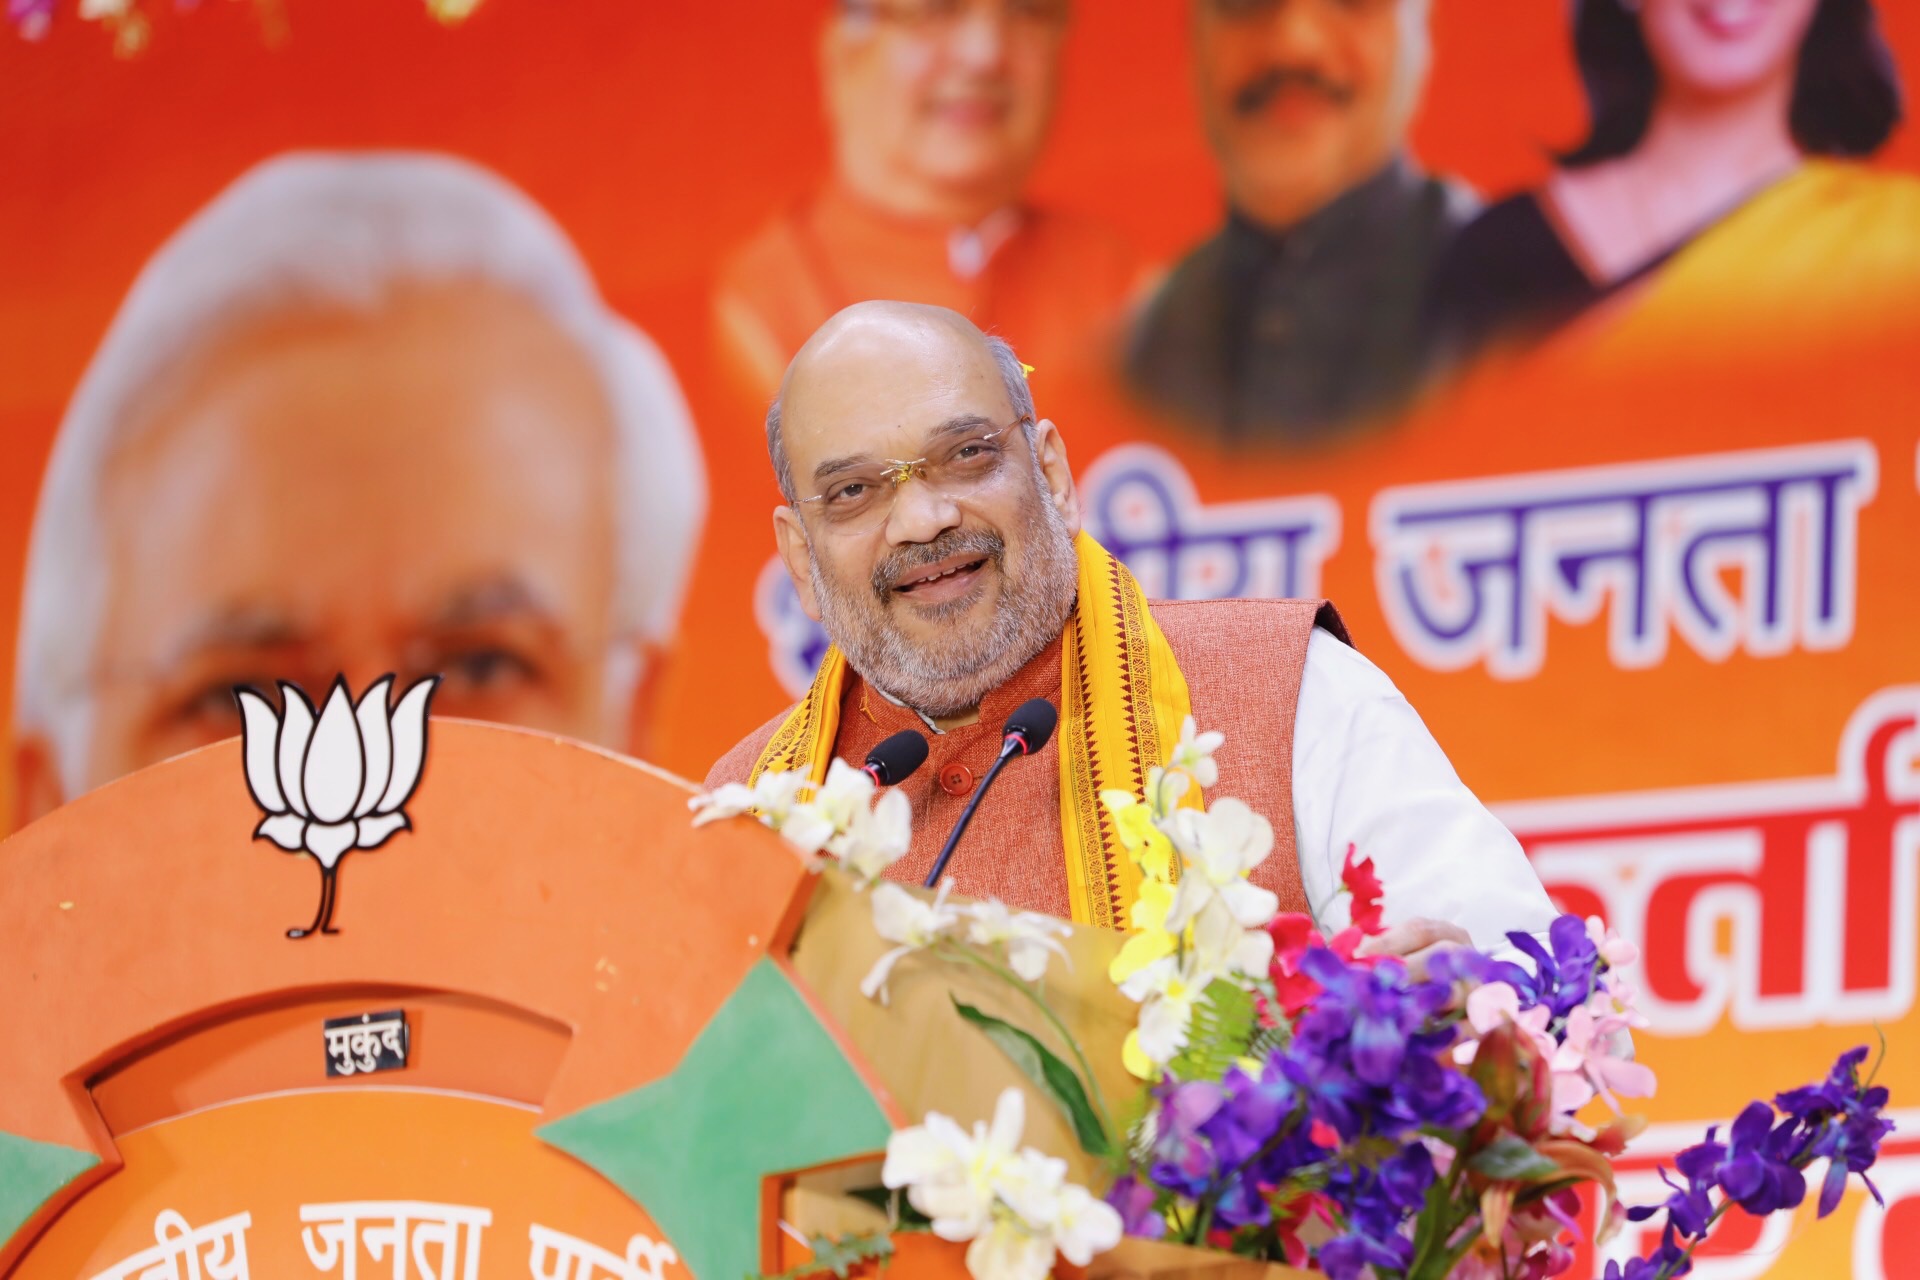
(1028, 729)
(895, 759)
(1031, 724)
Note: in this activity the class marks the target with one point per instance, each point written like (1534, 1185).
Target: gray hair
(1013, 374)
(341, 231)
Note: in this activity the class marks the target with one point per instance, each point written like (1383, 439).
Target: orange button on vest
(955, 778)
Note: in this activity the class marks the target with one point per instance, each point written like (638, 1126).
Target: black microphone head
(895, 759)
(1034, 721)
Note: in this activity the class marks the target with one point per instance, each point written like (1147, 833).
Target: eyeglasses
(939, 15)
(960, 467)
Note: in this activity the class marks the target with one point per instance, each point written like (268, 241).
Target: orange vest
(1242, 659)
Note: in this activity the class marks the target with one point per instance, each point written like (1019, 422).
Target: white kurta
(1367, 772)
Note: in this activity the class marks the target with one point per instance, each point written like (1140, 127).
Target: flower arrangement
(131, 26)
(1301, 1100)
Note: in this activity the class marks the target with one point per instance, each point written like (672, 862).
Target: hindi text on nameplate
(360, 1044)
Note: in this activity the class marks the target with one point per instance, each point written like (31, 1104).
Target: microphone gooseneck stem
(1007, 752)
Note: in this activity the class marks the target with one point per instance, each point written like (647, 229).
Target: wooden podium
(556, 1034)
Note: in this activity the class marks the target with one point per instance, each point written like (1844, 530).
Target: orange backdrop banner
(1619, 483)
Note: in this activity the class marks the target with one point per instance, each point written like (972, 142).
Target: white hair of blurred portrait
(341, 231)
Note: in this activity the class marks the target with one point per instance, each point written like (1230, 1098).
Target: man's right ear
(36, 780)
(790, 537)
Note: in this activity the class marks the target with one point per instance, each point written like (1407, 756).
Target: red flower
(1364, 885)
(1293, 936)
(1295, 1210)
(1293, 933)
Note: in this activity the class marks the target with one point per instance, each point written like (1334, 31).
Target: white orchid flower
(1029, 1186)
(832, 809)
(878, 838)
(838, 817)
(933, 1160)
(1168, 991)
(1220, 847)
(1225, 842)
(1010, 1250)
(1028, 936)
(1084, 1225)
(336, 781)
(771, 796)
(913, 923)
(1223, 943)
(952, 1175)
(1246, 904)
(1013, 1203)
(1193, 754)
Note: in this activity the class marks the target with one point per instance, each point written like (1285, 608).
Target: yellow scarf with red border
(1122, 701)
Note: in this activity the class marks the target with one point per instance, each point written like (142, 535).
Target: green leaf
(839, 1256)
(1511, 1158)
(1223, 1029)
(1048, 1074)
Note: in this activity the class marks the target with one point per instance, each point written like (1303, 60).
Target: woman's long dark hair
(1846, 93)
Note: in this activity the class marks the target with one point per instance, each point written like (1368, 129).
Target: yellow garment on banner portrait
(1122, 701)
(1830, 252)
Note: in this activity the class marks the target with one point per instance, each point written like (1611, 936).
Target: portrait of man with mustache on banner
(1301, 317)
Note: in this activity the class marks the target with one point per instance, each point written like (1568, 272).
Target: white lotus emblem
(334, 782)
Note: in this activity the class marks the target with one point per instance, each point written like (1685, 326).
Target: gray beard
(954, 673)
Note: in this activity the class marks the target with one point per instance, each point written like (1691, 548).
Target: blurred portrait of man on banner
(938, 110)
(363, 414)
(1719, 179)
(1302, 316)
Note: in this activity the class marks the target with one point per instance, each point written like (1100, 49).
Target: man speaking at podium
(932, 526)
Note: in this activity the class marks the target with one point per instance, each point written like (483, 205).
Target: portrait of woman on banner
(1721, 177)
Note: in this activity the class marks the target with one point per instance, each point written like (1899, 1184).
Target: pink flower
(1614, 949)
(1495, 1003)
(1586, 1066)
(1617, 998)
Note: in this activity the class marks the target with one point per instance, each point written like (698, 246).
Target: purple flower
(1838, 1120)
(1373, 1010)
(1475, 968)
(1367, 1053)
(1260, 1136)
(1757, 1171)
(1564, 978)
(1690, 1207)
(1183, 1161)
(1760, 1165)
(1347, 1257)
(1670, 1259)
(1135, 1201)
(1430, 1093)
(1376, 1203)
(1254, 1110)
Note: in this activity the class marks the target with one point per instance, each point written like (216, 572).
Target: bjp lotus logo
(335, 782)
